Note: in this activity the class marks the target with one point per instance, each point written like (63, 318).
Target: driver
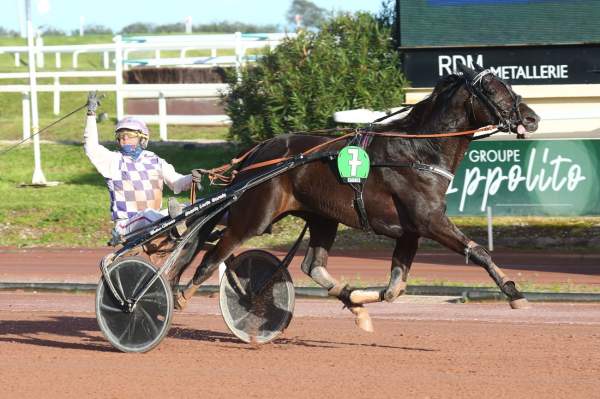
(134, 175)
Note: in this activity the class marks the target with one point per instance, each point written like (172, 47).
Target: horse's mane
(435, 104)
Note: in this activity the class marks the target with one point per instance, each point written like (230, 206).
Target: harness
(362, 137)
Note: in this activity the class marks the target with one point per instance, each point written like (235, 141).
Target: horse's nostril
(530, 121)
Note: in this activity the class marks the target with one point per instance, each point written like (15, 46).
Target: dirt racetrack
(51, 347)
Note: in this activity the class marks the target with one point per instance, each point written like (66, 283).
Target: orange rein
(219, 173)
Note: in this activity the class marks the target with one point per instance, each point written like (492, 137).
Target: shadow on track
(59, 332)
(220, 337)
(34, 332)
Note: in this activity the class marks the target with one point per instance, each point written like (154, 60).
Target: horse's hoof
(521, 303)
(179, 301)
(362, 320)
(391, 295)
(365, 324)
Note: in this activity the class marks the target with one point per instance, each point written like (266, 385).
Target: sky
(115, 14)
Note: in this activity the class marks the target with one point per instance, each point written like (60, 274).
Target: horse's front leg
(442, 230)
(322, 235)
(404, 253)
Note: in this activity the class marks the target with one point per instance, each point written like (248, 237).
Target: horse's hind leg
(241, 226)
(210, 263)
(446, 233)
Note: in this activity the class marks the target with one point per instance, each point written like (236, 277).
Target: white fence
(117, 55)
(238, 42)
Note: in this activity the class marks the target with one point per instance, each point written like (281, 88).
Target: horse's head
(494, 102)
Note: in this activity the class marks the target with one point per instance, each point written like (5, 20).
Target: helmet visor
(130, 134)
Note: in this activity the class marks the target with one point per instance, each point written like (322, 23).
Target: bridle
(476, 89)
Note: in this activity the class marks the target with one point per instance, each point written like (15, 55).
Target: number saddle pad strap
(353, 166)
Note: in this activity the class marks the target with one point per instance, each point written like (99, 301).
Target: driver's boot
(175, 209)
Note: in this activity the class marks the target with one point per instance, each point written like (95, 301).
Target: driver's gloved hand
(92, 103)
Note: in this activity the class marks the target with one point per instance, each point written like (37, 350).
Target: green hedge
(350, 63)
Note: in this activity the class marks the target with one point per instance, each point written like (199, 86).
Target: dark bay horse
(402, 203)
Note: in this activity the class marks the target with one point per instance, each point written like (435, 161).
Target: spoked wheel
(257, 317)
(142, 328)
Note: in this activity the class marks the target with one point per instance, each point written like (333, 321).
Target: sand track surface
(51, 347)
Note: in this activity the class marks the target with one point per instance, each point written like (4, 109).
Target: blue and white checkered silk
(139, 188)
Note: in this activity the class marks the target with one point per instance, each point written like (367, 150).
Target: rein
(224, 174)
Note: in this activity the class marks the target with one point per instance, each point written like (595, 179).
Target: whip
(45, 128)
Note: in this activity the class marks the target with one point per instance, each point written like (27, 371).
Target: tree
(138, 27)
(48, 30)
(93, 30)
(312, 15)
(386, 16)
(349, 63)
(8, 32)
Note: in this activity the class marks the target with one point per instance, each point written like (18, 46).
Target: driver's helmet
(133, 126)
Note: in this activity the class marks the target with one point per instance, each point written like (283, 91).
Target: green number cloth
(353, 164)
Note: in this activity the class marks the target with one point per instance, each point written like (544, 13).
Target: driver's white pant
(143, 219)
(140, 220)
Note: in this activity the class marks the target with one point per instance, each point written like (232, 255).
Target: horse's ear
(478, 67)
(466, 71)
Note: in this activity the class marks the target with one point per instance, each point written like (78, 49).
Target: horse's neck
(429, 117)
(455, 156)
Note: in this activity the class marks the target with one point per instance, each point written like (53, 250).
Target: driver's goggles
(129, 134)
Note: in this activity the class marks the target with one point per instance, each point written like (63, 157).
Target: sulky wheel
(142, 328)
(257, 317)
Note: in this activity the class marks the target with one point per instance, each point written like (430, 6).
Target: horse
(400, 202)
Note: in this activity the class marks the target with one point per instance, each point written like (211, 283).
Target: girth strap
(416, 165)
(362, 140)
(359, 205)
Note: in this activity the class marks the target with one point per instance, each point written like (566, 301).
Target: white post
(106, 60)
(188, 24)
(238, 55)
(17, 59)
(162, 116)
(157, 57)
(119, 75)
(57, 60)
(39, 43)
(22, 22)
(38, 174)
(56, 95)
(81, 23)
(213, 52)
(75, 59)
(26, 115)
(490, 230)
